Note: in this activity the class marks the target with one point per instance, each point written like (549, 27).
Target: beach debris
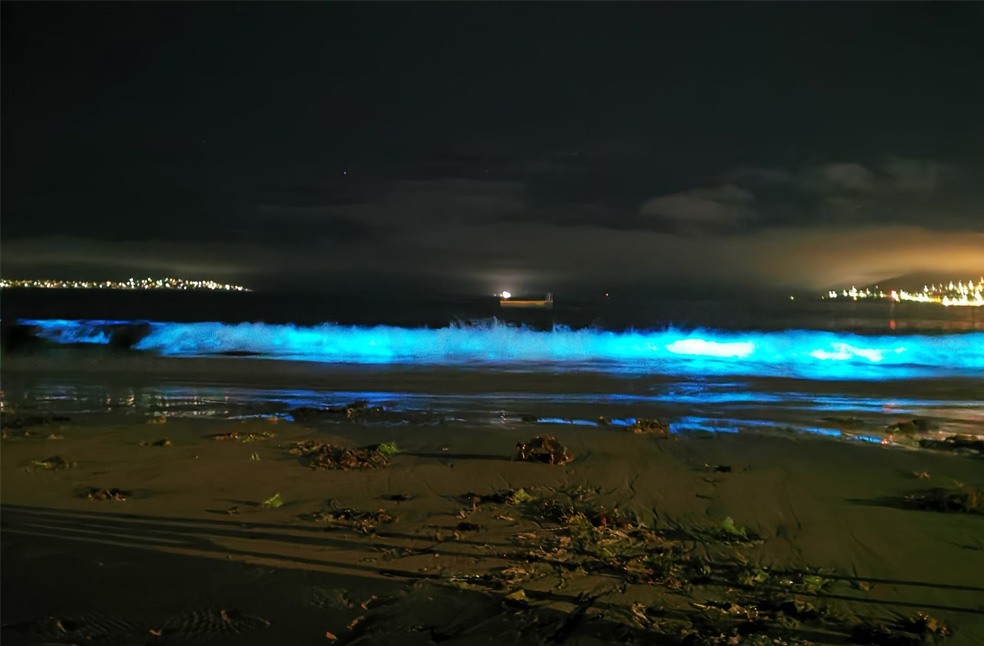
(520, 496)
(812, 582)
(273, 502)
(578, 535)
(919, 628)
(964, 499)
(351, 411)
(95, 493)
(363, 521)
(388, 448)
(751, 576)
(921, 475)
(909, 426)
(565, 504)
(53, 463)
(321, 455)
(543, 449)
(254, 456)
(355, 622)
(800, 610)
(959, 443)
(728, 531)
(244, 438)
(256, 437)
(924, 625)
(504, 497)
(651, 426)
(162, 442)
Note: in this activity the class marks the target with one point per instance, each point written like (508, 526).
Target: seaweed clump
(545, 449)
(963, 500)
(504, 497)
(959, 442)
(53, 463)
(919, 628)
(320, 455)
(909, 426)
(354, 410)
(363, 521)
(653, 426)
(95, 493)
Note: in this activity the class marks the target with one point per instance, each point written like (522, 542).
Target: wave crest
(792, 353)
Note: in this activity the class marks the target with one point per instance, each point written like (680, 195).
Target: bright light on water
(700, 347)
(794, 353)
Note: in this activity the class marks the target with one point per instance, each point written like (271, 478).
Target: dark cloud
(849, 177)
(891, 190)
(702, 210)
(915, 175)
(492, 145)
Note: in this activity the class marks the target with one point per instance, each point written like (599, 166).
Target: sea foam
(793, 353)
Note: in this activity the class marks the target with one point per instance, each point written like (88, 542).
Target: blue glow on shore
(795, 353)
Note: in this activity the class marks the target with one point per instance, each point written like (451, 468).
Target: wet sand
(192, 555)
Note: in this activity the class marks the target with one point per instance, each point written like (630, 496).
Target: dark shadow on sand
(156, 532)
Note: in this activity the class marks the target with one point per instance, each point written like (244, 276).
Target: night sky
(478, 147)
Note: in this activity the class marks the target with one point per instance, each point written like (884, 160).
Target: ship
(545, 304)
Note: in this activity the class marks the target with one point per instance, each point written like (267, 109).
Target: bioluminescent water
(711, 406)
(794, 353)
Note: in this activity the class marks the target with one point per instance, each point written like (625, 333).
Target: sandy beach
(225, 533)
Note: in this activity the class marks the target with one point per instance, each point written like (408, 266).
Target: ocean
(763, 364)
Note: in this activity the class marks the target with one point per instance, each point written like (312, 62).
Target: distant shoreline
(131, 284)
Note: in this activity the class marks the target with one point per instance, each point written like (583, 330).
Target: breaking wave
(792, 353)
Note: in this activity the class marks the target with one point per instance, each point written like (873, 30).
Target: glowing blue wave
(794, 353)
(69, 332)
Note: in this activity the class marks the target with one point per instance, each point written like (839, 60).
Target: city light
(130, 283)
(954, 293)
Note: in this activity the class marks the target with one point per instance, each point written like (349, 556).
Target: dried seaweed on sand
(545, 449)
(321, 455)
